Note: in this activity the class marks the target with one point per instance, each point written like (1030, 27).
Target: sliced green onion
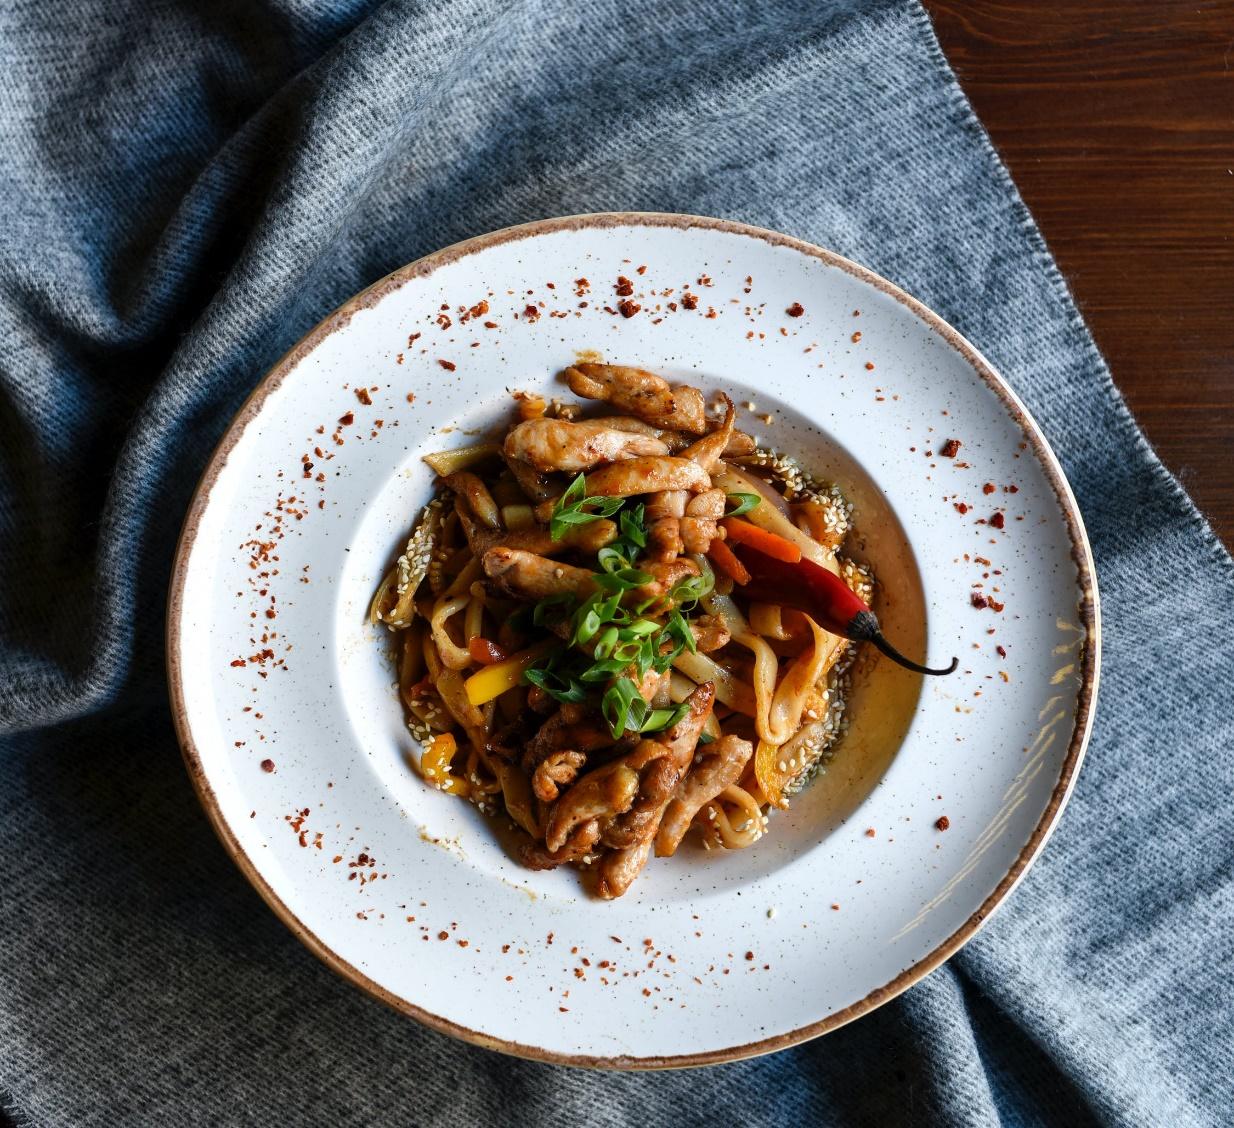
(560, 687)
(745, 502)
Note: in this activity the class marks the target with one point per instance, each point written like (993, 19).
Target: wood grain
(1117, 123)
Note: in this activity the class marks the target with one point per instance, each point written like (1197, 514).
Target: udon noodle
(574, 650)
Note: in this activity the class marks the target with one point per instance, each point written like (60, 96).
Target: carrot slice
(770, 544)
(722, 557)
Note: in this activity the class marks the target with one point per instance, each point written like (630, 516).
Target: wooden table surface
(1116, 120)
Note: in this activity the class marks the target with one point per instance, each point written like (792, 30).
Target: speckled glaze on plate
(292, 731)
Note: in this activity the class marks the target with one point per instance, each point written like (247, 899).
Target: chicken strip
(716, 766)
(528, 576)
(641, 393)
(602, 794)
(656, 787)
(575, 848)
(663, 514)
(555, 445)
(665, 575)
(739, 443)
(708, 450)
(590, 537)
(709, 632)
(653, 688)
(618, 869)
(698, 526)
(647, 475)
(669, 756)
(556, 771)
(569, 728)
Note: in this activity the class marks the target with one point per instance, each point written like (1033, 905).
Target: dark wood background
(1117, 122)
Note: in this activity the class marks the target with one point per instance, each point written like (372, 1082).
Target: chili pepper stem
(865, 628)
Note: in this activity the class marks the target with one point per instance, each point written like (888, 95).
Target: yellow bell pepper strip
(492, 681)
(436, 765)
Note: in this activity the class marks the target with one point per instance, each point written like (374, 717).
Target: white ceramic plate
(711, 956)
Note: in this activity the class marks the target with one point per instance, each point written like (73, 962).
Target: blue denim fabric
(187, 186)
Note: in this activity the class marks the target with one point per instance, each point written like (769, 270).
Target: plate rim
(1081, 551)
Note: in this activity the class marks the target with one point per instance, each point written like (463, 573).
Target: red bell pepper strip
(822, 595)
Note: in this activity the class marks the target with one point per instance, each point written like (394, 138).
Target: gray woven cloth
(187, 188)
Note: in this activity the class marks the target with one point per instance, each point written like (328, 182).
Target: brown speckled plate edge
(1088, 608)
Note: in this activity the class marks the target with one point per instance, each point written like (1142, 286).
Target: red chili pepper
(822, 595)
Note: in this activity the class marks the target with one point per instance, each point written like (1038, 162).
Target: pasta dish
(617, 629)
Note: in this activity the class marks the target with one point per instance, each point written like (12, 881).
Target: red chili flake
(870, 832)
(690, 301)
(363, 396)
(412, 339)
(943, 822)
(348, 419)
(443, 935)
(949, 449)
(624, 286)
(1002, 653)
(490, 325)
(795, 310)
(550, 938)
(531, 313)
(641, 270)
(477, 310)
(988, 488)
(443, 320)
(997, 521)
(749, 955)
(869, 366)
(856, 337)
(960, 507)
(462, 943)
(267, 765)
(238, 662)
(979, 601)
(628, 308)
(1012, 489)
(271, 613)
(448, 365)
(996, 606)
